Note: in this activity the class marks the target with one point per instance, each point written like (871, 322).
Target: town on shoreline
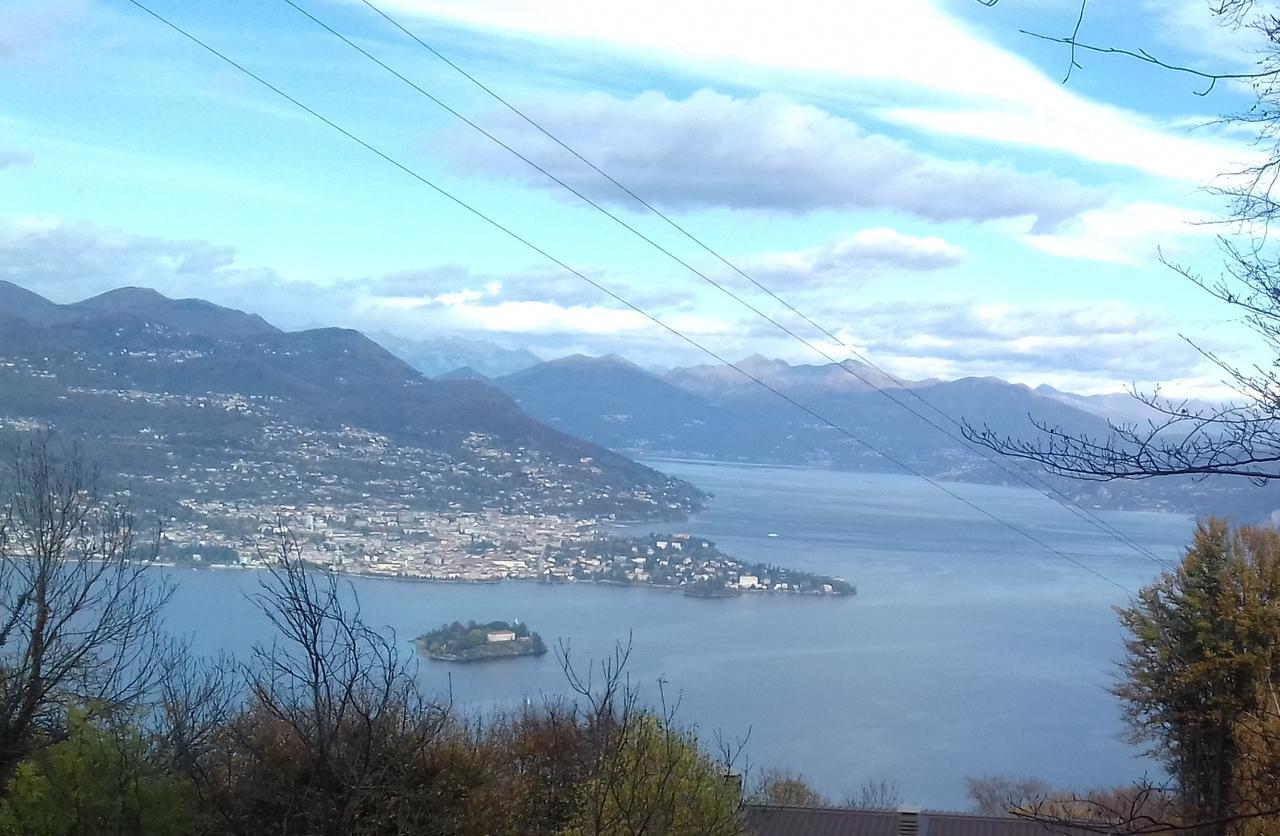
(484, 547)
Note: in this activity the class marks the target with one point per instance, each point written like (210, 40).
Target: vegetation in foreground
(107, 727)
(1199, 685)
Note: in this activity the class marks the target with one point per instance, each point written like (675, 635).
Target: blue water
(969, 650)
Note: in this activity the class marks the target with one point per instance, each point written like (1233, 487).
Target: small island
(472, 642)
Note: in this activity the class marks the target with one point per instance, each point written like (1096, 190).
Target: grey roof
(829, 821)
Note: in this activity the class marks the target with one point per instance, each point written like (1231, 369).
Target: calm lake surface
(968, 650)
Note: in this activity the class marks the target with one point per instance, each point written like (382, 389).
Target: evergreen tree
(1199, 663)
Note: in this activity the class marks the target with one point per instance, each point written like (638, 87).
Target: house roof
(830, 821)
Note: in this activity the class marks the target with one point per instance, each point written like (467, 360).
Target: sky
(914, 176)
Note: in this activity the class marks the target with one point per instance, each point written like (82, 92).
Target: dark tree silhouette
(79, 613)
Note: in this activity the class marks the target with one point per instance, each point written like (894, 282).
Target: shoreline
(223, 567)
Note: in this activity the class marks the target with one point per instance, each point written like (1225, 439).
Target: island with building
(472, 642)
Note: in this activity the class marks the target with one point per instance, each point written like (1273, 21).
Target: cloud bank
(1083, 347)
(949, 81)
(766, 153)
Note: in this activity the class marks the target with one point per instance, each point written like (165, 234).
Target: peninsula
(682, 562)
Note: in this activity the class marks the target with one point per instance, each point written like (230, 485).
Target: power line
(509, 232)
(1030, 479)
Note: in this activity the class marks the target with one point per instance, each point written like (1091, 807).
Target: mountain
(718, 413)
(463, 373)
(135, 307)
(439, 356)
(715, 412)
(144, 306)
(19, 302)
(166, 391)
(1120, 407)
(719, 381)
(613, 402)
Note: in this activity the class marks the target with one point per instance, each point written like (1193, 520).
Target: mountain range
(161, 383)
(872, 422)
(717, 412)
(457, 357)
(161, 388)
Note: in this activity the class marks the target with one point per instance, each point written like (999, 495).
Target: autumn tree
(656, 778)
(1200, 645)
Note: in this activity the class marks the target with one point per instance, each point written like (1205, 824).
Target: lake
(969, 650)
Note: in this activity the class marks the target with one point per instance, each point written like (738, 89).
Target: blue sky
(912, 174)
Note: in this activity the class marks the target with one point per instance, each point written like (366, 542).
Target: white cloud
(522, 317)
(926, 68)
(12, 156)
(1082, 347)
(1075, 127)
(1129, 234)
(29, 24)
(767, 152)
(869, 252)
(1216, 40)
(68, 260)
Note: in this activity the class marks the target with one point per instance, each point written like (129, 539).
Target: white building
(500, 636)
(748, 582)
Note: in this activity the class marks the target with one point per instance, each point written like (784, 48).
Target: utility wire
(1012, 469)
(511, 233)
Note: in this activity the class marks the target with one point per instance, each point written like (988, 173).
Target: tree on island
(458, 638)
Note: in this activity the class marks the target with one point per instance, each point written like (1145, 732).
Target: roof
(832, 821)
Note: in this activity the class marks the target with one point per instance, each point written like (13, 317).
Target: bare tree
(335, 726)
(783, 788)
(644, 773)
(1241, 438)
(197, 700)
(1147, 807)
(999, 795)
(79, 612)
(875, 795)
(1237, 14)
